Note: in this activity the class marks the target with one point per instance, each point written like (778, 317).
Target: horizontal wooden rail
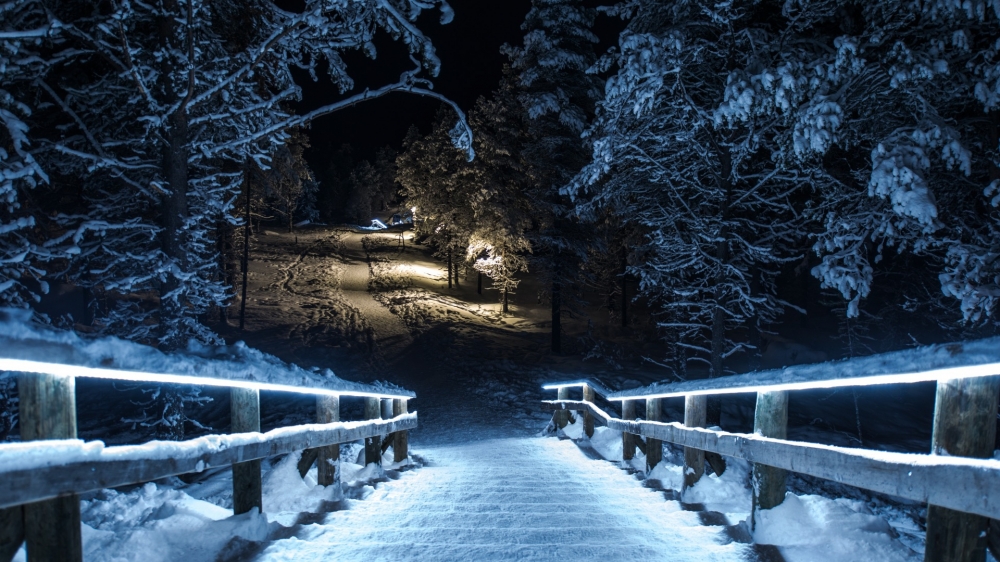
(96, 468)
(596, 386)
(959, 483)
(19, 355)
(964, 360)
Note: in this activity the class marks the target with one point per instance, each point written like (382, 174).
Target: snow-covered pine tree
(288, 178)
(908, 128)
(498, 180)
(386, 192)
(373, 186)
(153, 111)
(363, 180)
(159, 109)
(24, 28)
(428, 169)
(713, 202)
(559, 97)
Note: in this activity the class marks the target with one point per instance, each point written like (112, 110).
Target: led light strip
(557, 386)
(60, 369)
(964, 372)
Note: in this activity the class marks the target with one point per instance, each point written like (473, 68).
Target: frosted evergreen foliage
(428, 170)
(23, 28)
(687, 147)
(914, 84)
(558, 96)
(159, 106)
(500, 206)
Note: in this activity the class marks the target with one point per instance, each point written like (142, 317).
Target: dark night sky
(471, 66)
(471, 63)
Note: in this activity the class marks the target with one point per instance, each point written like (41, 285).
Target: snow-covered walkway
(510, 499)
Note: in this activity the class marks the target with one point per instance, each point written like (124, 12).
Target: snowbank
(812, 528)
(169, 520)
(22, 339)
(806, 527)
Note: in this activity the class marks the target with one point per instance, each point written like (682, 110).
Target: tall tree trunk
(222, 247)
(246, 255)
(449, 264)
(479, 288)
(625, 291)
(505, 308)
(174, 211)
(556, 316)
(714, 414)
(754, 335)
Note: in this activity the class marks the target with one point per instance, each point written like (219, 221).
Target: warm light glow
(422, 271)
(59, 369)
(964, 372)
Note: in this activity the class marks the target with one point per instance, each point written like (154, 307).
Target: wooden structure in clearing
(959, 480)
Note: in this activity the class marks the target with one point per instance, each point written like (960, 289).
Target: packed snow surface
(510, 499)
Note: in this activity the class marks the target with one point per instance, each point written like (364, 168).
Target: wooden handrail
(99, 468)
(973, 359)
(34, 355)
(598, 388)
(959, 481)
(39, 501)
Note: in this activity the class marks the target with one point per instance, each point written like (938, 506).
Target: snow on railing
(41, 477)
(959, 480)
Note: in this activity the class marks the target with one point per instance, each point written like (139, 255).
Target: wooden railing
(41, 477)
(959, 481)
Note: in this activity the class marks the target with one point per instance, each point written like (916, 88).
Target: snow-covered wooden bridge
(512, 499)
(502, 498)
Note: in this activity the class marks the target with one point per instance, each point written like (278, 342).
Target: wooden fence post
(695, 415)
(247, 492)
(47, 410)
(964, 426)
(588, 418)
(654, 447)
(401, 441)
(386, 407)
(993, 535)
(628, 440)
(561, 417)
(373, 445)
(11, 532)
(770, 419)
(328, 460)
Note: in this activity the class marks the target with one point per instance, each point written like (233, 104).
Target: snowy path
(391, 334)
(510, 499)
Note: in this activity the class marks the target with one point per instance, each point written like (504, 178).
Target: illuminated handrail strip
(972, 359)
(972, 371)
(596, 386)
(61, 369)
